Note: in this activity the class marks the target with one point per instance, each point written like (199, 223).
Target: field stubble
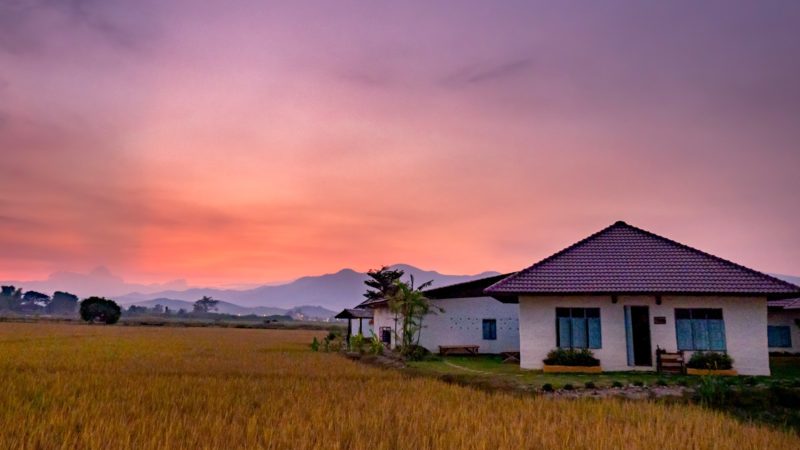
(98, 387)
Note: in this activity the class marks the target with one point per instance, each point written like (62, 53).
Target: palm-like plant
(411, 305)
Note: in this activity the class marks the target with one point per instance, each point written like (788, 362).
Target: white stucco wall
(461, 323)
(786, 317)
(745, 328)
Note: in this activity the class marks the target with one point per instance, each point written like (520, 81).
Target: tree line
(93, 309)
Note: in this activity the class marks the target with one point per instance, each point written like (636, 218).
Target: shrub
(375, 346)
(638, 383)
(357, 343)
(315, 345)
(568, 387)
(710, 360)
(414, 352)
(662, 382)
(547, 387)
(713, 391)
(99, 309)
(571, 357)
(590, 385)
(616, 384)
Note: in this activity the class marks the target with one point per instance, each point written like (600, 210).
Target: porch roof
(355, 314)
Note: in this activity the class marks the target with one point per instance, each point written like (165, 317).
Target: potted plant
(568, 360)
(710, 363)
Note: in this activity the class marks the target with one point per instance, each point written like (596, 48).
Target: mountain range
(332, 292)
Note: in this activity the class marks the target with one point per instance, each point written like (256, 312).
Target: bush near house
(571, 357)
(711, 361)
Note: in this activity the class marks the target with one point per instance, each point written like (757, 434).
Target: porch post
(361, 326)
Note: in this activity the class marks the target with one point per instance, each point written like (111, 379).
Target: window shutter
(564, 334)
(700, 334)
(683, 332)
(579, 338)
(716, 335)
(595, 337)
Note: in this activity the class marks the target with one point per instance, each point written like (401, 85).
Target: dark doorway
(386, 335)
(640, 331)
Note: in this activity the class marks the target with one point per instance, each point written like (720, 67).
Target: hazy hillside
(222, 307)
(789, 278)
(332, 291)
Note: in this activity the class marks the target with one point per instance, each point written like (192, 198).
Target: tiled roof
(789, 303)
(625, 259)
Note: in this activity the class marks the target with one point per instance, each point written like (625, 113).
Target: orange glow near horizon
(221, 145)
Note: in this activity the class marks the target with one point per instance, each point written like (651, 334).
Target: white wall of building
(745, 328)
(786, 317)
(461, 323)
(366, 327)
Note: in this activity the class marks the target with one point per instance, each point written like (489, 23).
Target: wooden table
(462, 349)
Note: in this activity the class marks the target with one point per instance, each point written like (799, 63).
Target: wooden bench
(458, 349)
(670, 362)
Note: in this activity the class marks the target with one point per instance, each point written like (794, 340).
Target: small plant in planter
(571, 360)
(710, 363)
(638, 383)
(662, 382)
(590, 385)
(568, 387)
(547, 387)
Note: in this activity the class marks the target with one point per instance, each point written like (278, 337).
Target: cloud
(27, 27)
(483, 73)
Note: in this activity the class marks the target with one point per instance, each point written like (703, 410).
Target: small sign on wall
(660, 320)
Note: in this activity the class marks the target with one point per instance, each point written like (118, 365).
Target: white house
(783, 326)
(467, 318)
(623, 292)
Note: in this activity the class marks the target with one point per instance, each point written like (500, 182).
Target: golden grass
(95, 387)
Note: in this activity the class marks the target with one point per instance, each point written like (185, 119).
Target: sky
(251, 141)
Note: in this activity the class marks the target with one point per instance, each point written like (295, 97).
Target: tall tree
(382, 282)
(205, 305)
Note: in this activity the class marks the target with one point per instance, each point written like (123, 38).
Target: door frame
(631, 342)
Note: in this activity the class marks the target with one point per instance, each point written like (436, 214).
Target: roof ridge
(622, 224)
(559, 253)
(718, 258)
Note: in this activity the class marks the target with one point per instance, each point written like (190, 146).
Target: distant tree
(63, 303)
(182, 312)
(166, 310)
(158, 309)
(33, 298)
(135, 309)
(382, 282)
(205, 305)
(11, 298)
(99, 309)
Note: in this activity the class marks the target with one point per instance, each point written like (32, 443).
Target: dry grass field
(96, 387)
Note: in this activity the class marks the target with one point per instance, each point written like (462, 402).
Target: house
(462, 316)
(783, 326)
(624, 292)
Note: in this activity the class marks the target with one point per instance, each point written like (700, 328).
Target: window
(578, 328)
(779, 336)
(489, 329)
(700, 329)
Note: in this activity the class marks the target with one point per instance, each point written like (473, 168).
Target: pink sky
(249, 142)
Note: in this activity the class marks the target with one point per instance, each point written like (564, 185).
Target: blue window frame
(578, 328)
(490, 329)
(779, 336)
(700, 329)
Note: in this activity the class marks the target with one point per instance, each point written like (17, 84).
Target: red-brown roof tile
(625, 259)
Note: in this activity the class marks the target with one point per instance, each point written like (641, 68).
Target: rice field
(109, 387)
